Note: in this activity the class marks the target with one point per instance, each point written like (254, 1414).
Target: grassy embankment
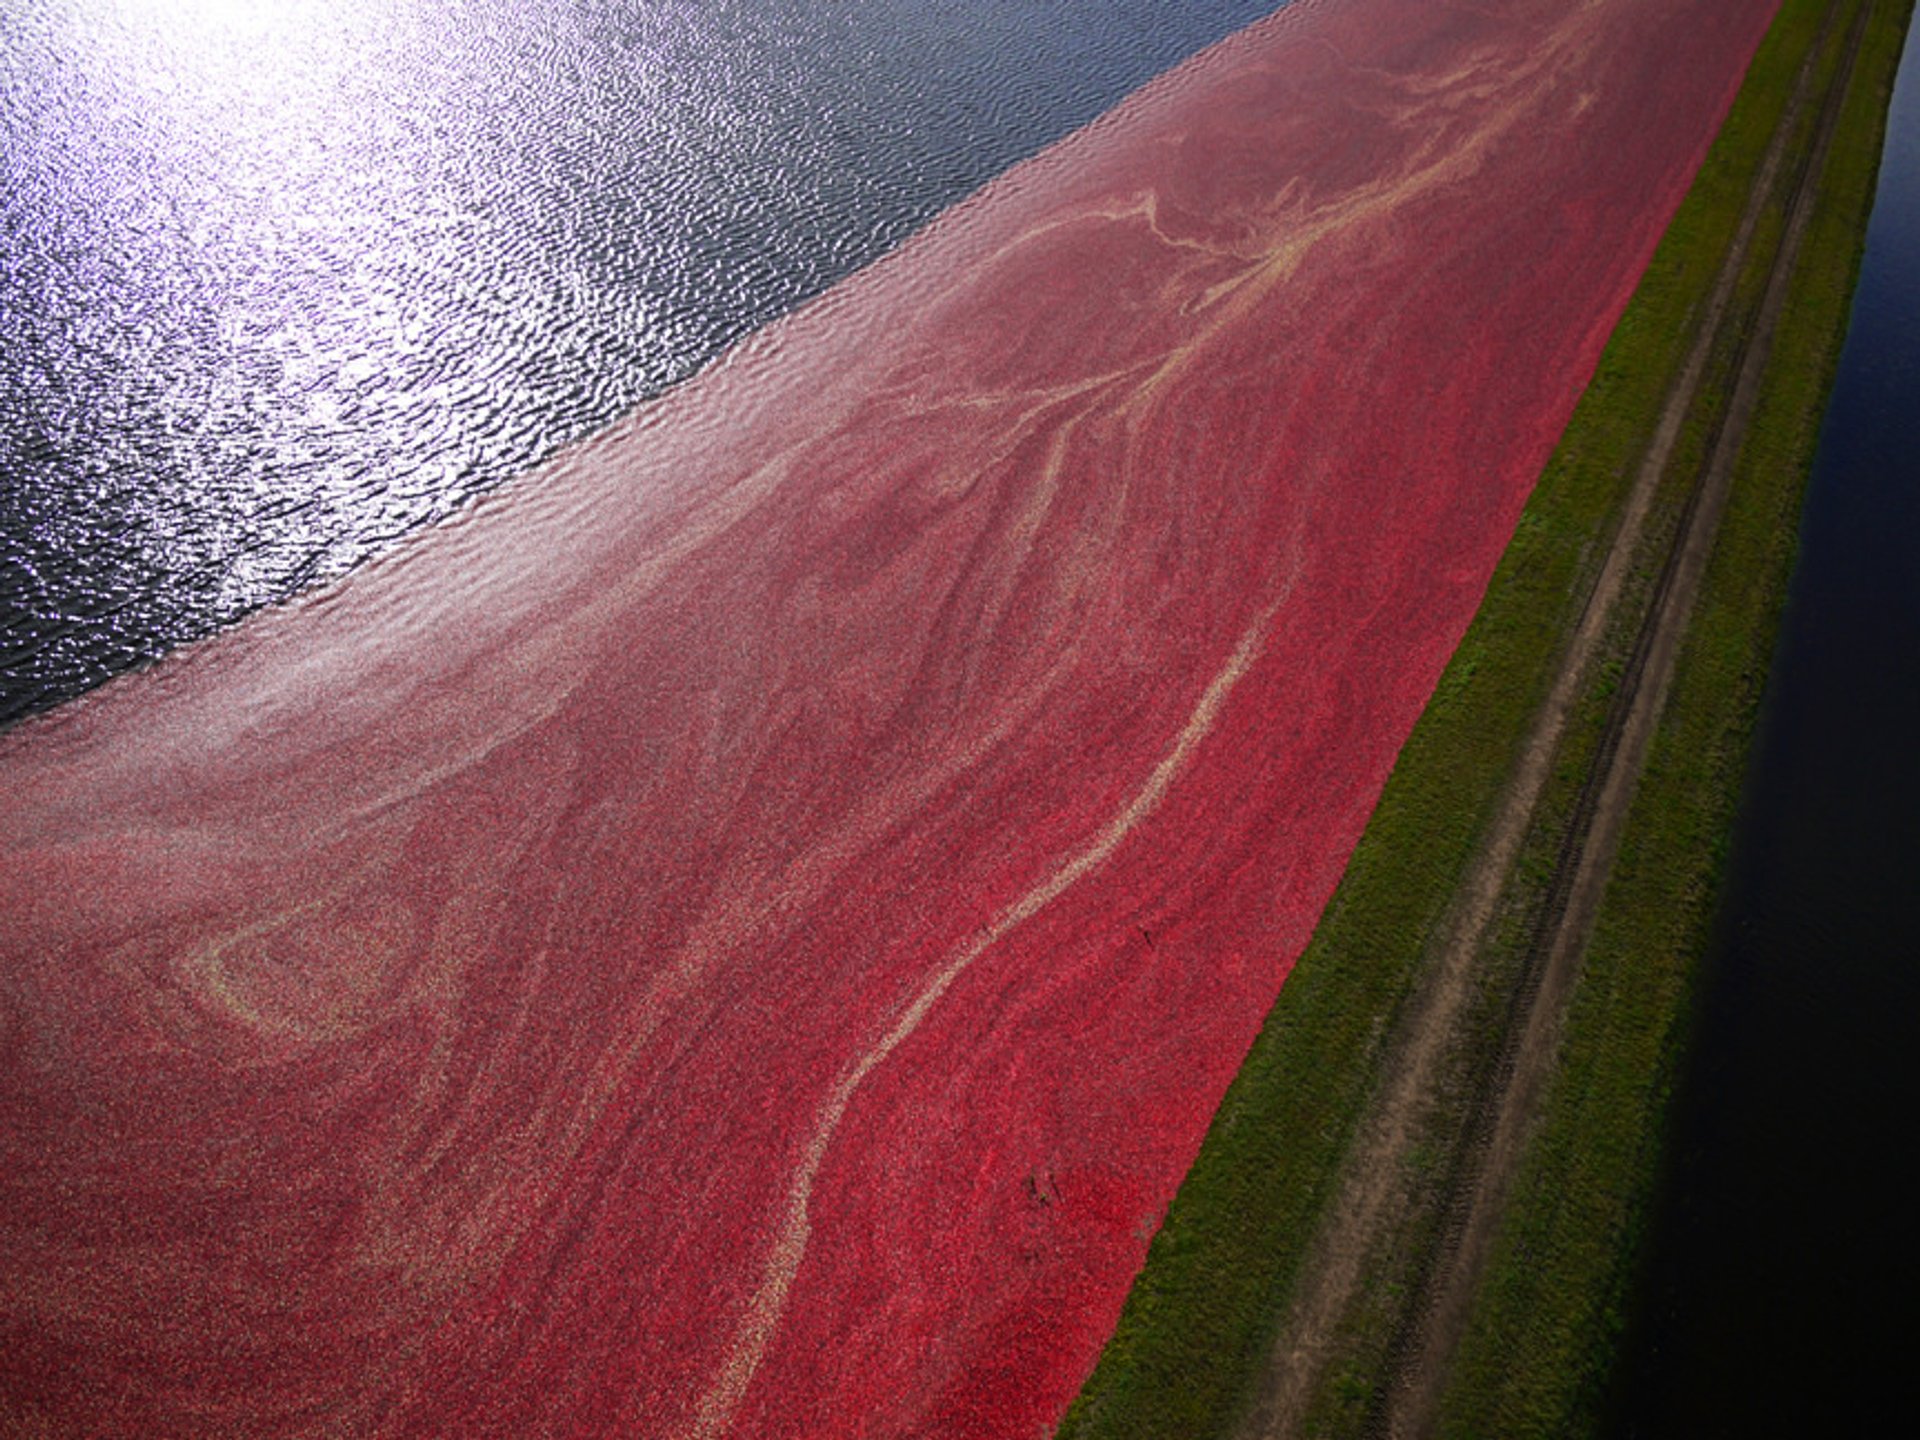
(1539, 1343)
(1201, 1320)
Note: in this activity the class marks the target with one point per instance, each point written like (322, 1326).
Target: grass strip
(1548, 1316)
(1202, 1316)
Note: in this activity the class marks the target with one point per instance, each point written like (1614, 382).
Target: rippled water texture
(283, 282)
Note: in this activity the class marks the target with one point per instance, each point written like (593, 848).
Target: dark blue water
(279, 283)
(1785, 1264)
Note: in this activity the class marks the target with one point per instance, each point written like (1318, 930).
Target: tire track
(1501, 1118)
(1371, 1200)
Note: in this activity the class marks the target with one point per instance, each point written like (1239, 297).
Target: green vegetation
(1541, 1337)
(1203, 1316)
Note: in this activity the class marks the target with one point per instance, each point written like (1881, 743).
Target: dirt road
(1375, 1201)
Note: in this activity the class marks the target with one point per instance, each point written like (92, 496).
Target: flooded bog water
(284, 282)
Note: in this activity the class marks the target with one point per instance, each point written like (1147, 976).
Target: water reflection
(282, 282)
(1781, 1244)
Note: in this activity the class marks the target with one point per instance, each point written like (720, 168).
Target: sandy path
(1371, 1199)
(1417, 1393)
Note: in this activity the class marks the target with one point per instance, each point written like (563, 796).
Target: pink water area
(744, 933)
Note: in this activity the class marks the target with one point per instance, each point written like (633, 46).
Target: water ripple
(277, 288)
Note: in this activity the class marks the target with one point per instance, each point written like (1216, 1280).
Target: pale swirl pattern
(743, 932)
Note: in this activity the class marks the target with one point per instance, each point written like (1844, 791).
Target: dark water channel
(1784, 1275)
(279, 283)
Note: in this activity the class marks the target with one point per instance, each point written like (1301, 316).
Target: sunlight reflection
(268, 190)
(284, 280)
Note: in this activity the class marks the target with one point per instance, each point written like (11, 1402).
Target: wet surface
(743, 932)
(282, 283)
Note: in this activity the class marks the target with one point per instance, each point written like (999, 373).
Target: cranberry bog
(744, 931)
